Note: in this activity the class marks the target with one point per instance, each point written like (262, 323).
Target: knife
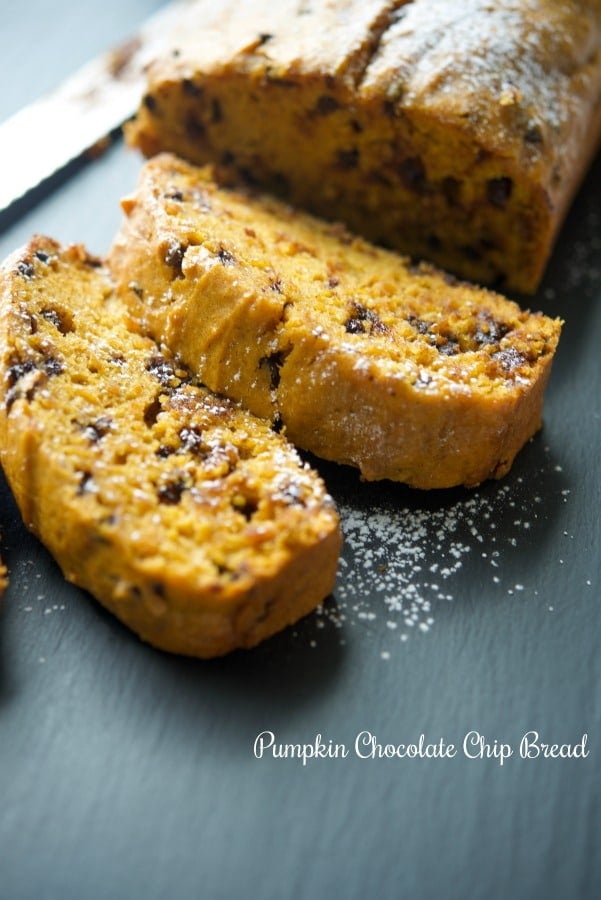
(86, 108)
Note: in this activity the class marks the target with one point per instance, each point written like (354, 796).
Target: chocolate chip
(95, 431)
(451, 188)
(43, 257)
(449, 346)
(225, 257)
(26, 268)
(85, 483)
(354, 325)
(94, 262)
(151, 412)
(174, 195)
(190, 89)
(348, 159)
(163, 370)
(150, 103)
(361, 318)
(60, 321)
(509, 358)
(15, 373)
(194, 127)
(248, 175)
(171, 492)
(53, 317)
(498, 191)
(18, 370)
(378, 177)
(489, 330)
(53, 366)
(326, 104)
(280, 184)
(274, 363)
(413, 174)
(264, 38)
(174, 255)
(472, 252)
(420, 325)
(533, 134)
(376, 325)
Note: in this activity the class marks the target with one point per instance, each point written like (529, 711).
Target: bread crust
(367, 360)
(191, 520)
(456, 133)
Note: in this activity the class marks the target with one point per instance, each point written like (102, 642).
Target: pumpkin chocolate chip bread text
(399, 370)
(454, 132)
(188, 518)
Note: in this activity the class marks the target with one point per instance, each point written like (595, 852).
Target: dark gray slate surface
(127, 773)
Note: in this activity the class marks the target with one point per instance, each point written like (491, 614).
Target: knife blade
(94, 102)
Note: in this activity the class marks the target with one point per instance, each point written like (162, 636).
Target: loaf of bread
(191, 520)
(365, 359)
(454, 132)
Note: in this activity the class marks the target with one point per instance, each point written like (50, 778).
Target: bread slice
(188, 518)
(454, 132)
(399, 370)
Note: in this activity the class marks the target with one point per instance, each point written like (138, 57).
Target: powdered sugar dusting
(583, 267)
(503, 54)
(407, 559)
(402, 564)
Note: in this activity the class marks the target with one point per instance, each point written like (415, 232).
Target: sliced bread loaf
(190, 519)
(399, 370)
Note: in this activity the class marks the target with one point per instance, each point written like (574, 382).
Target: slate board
(460, 616)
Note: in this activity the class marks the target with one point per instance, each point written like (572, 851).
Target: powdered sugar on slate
(407, 559)
(401, 563)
